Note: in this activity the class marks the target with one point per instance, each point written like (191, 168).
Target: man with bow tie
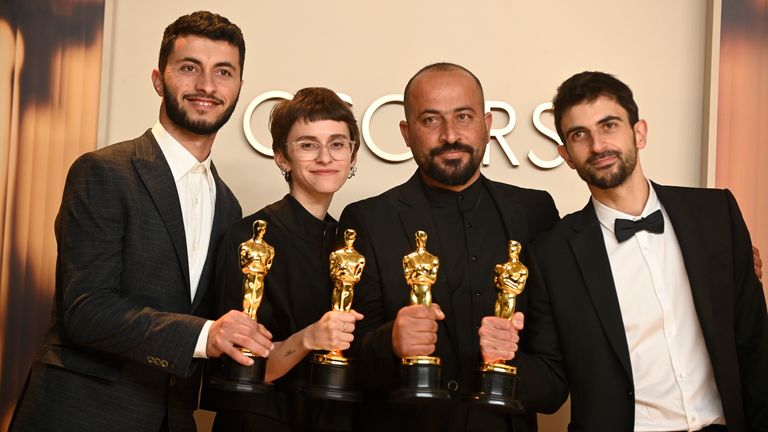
(650, 305)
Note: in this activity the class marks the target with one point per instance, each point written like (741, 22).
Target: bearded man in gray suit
(137, 233)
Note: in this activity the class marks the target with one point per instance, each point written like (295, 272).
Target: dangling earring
(286, 174)
(352, 172)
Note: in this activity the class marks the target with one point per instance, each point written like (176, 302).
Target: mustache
(454, 146)
(607, 153)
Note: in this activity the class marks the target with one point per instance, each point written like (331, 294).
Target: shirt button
(453, 385)
(478, 293)
(469, 225)
(460, 197)
(474, 258)
(194, 201)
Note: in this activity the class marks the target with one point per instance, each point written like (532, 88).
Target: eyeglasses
(338, 148)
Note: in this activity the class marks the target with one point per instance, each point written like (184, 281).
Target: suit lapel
(693, 248)
(158, 179)
(589, 251)
(416, 215)
(512, 214)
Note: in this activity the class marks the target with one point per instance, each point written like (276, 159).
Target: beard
(453, 172)
(180, 116)
(617, 175)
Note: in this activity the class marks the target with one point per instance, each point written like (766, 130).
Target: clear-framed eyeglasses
(338, 148)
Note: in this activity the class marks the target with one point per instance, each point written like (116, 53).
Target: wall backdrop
(61, 95)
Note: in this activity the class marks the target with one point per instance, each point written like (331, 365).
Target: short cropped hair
(587, 87)
(204, 24)
(310, 104)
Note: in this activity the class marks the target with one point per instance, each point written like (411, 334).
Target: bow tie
(625, 228)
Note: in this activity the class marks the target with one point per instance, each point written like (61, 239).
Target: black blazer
(578, 307)
(118, 354)
(385, 227)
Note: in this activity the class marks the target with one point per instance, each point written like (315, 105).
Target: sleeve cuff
(202, 341)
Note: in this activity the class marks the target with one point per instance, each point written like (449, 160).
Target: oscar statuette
(331, 376)
(255, 261)
(496, 382)
(420, 375)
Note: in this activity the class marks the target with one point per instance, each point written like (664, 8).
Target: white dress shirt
(197, 196)
(673, 378)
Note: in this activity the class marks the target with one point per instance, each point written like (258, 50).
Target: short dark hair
(204, 24)
(587, 87)
(439, 67)
(310, 104)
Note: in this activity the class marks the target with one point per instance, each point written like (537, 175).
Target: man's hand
(499, 337)
(234, 330)
(415, 330)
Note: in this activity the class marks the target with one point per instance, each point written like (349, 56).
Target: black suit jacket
(118, 354)
(578, 306)
(385, 227)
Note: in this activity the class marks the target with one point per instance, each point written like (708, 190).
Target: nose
(323, 154)
(597, 142)
(206, 83)
(448, 132)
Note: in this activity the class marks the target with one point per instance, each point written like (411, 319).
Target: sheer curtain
(742, 135)
(50, 62)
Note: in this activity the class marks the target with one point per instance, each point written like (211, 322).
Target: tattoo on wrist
(290, 351)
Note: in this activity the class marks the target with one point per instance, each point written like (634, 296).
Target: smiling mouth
(203, 101)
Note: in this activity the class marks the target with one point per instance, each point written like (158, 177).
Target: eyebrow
(455, 110)
(603, 120)
(199, 63)
(314, 138)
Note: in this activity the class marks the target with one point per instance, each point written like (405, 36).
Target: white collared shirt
(673, 378)
(197, 195)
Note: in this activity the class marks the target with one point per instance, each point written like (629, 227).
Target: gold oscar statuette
(346, 267)
(256, 258)
(420, 270)
(495, 381)
(510, 280)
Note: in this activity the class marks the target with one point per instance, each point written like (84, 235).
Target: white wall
(520, 50)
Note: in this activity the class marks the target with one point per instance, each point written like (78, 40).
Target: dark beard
(200, 127)
(453, 172)
(626, 165)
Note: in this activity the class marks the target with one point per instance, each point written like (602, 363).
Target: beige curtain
(742, 135)
(50, 62)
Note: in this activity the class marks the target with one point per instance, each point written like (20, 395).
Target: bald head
(436, 68)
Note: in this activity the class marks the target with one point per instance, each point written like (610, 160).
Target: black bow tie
(625, 228)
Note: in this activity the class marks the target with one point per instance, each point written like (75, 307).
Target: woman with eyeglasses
(315, 139)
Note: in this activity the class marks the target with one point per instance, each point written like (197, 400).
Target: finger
(358, 316)
(518, 320)
(439, 315)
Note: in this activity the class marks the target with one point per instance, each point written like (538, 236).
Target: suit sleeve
(94, 313)
(372, 346)
(751, 325)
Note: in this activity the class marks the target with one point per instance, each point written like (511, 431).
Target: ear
(488, 119)
(641, 133)
(404, 132)
(157, 82)
(563, 150)
(281, 161)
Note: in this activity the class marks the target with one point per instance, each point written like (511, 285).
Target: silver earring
(352, 172)
(286, 174)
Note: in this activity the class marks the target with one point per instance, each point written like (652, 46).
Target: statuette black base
(230, 375)
(420, 382)
(331, 381)
(496, 390)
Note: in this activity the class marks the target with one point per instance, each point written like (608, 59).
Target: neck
(316, 204)
(199, 145)
(630, 197)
